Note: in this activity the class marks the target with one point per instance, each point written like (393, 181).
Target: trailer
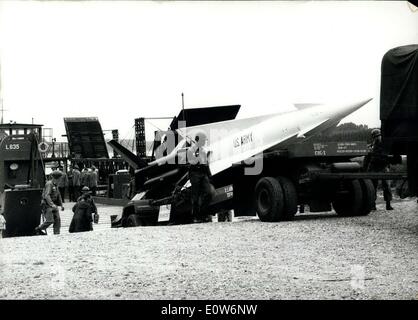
(322, 176)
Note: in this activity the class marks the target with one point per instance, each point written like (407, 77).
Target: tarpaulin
(399, 107)
(399, 84)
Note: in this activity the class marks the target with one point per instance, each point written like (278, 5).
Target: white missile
(234, 141)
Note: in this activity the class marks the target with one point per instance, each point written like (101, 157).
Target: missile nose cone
(366, 101)
(358, 105)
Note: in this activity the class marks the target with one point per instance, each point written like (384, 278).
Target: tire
(369, 196)
(349, 204)
(269, 199)
(290, 199)
(134, 220)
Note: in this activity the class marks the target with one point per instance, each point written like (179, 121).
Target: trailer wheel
(290, 199)
(134, 220)
(268, 199)
(351, 203)
(369, 196)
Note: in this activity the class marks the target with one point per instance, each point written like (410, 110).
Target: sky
(120, 60)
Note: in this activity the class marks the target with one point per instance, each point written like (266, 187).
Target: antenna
(182, 106)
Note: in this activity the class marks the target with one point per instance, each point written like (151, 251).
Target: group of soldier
(78, 183)
(75, 180)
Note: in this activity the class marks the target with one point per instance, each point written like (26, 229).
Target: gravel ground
(317, 256)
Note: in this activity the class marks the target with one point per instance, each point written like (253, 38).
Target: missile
(234, 141)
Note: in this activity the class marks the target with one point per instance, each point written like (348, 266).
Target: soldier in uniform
(71, 187)
(94, 179)
(85, 213)
(76, 182)
(378, 161)
(73, 183)
(84, 178)
(199, 173)
(62, 183)
(51, 200)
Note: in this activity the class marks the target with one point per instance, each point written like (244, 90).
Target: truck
(399, 108)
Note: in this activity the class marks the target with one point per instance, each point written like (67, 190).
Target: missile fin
(306, 130)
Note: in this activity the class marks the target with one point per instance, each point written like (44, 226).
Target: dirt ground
(317, 256)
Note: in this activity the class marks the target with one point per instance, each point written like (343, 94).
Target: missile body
(238, 140)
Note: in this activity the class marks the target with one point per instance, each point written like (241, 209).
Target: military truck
(399, 107)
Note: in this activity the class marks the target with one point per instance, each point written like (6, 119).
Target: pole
(1, 109)
(53, 147)
(1, 100)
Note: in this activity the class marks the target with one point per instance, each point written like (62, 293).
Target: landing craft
(263, 164)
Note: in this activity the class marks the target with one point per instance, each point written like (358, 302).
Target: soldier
(199, 173)
(94, 178)
(84, 178)
(85, 213)
(378, 161)
(62, 183)
(77, 182)
(73, 183)
(51, 200)
(71, 190)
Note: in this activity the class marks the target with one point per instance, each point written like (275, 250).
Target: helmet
(56, 174)
(375, 133)
(200, 137)
(85, 190)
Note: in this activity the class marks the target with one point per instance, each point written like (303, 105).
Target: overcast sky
(122, 60)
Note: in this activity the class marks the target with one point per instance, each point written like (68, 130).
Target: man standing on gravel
(84, 178)
(76, 182)
(379, 162)
(85, 213)
(202, 190)
(62, 184)
(51, 200)
(94, 178)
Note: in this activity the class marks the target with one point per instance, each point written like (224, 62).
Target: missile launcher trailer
(319, 175)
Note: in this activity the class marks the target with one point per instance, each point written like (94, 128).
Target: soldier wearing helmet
(51, 200)
(378, 161)
(199, 173)
(375, 133)
(85, 213)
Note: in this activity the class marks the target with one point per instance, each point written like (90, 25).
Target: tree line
(345, 132)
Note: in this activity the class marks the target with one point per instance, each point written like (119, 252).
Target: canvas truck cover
(399, 94)
(399, 107)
